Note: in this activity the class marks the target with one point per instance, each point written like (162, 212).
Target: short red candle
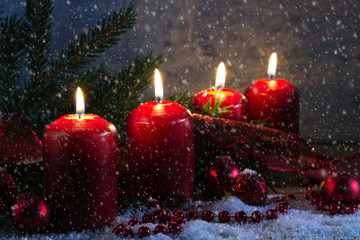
(161, 151)
(276, 100)
(80, 182)
(238, 110)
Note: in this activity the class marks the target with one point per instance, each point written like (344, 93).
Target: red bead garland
(334, 207)
(176, 219)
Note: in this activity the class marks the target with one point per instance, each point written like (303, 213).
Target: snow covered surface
(250, 172)
(303, 221)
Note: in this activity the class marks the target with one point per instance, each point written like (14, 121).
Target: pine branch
(65, 69)
(37, 37)
(216, 110)
(89, 46)
(115, 95)
(1, 11)
(11, 59)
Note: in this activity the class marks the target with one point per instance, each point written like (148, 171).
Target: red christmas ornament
(240, 217)
(250, 188)
(179, 214)
(118, 230)
(164, 215)
(207, 216)
(219, 174)
(134, 222)
(334, 208)
(127, 233)
(144, 231)
(160, 229)
(176, 220)
(148, 218)
(191, 215)
(224, 216)
(350, 209)
(174, 228)
(257, 216)
(7, 190)
(30, 213)
(341, 187)
(271, 214)
(19, 144)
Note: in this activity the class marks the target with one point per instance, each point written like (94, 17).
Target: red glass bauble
(350, 209)
(179, 214)
(271, 214)
(341, 187)
(134, 222)
(154, 204)
(176, 220)
(257, 216)
(207, 216)
(191, 215)
(219, 175)
(30, 213)
(160, 229)
(281, 209)
(7, 190)
(174, 228)
(127, 233)
(334, 208)
(240, 217)
(323, 205)
(118, 230)
(224, 216)
(285, 205)
(144, 231)
(164, 215)
(250, 188)
(148, 218)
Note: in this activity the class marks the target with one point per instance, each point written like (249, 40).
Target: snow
(250, 172)
(303, 221)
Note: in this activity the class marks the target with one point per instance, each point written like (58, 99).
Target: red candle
(275, 100)
(80, 182)
(161, 149)
(238, 110)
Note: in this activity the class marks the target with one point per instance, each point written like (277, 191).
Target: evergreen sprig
(11, 60)
(115, 95)
(216, 110)
(45, 90)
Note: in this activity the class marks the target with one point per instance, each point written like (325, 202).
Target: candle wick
(158, 99)
(271, 76)
(79, 115)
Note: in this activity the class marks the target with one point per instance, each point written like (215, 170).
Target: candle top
(165, 109)
(273, 84)
(87, 123)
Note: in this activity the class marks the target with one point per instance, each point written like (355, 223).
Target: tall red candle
(80, 182)
(161, 149)
(275, 100)
(228, 97)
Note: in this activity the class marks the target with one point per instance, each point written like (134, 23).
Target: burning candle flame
(159, 91)
(272, 66)
(220, 76)
(80, 105)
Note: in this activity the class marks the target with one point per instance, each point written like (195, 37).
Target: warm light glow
(220, 76)
(272, 66)
(80, 105)
(159, 91)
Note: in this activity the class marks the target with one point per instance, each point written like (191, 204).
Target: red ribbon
(275, 149)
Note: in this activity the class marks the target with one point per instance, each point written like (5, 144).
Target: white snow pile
(303, 221)
(250, 172)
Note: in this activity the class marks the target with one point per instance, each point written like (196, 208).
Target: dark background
(317, 43)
